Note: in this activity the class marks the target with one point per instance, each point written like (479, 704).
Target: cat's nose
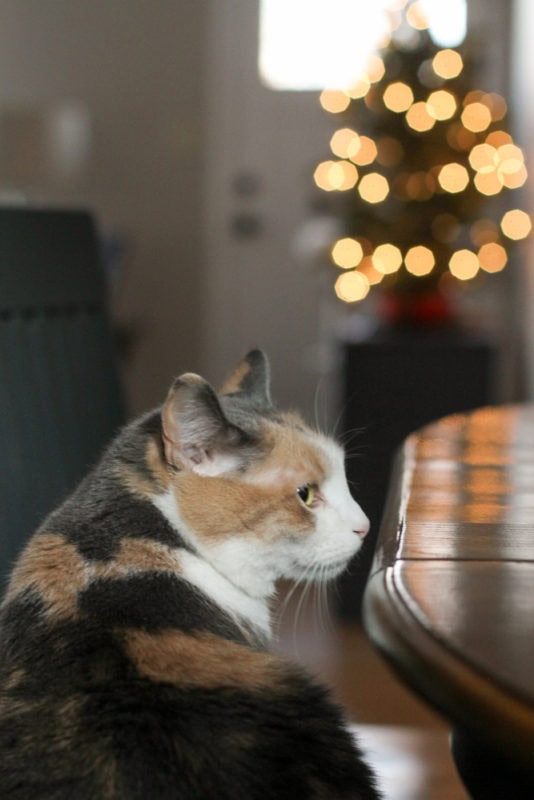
(363, 528)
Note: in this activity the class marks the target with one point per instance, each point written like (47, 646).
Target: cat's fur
(133, 660)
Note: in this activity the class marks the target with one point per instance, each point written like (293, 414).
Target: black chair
(59, 395)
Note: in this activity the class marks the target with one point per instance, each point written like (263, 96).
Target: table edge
(479, 705)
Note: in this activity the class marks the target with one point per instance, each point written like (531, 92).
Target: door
(261, 150)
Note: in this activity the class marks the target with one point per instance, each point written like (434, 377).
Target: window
(318, 44)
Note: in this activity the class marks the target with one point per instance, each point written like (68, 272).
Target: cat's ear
(196, 434)
(251, 379)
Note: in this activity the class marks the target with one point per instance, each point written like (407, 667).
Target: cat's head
(259, 494)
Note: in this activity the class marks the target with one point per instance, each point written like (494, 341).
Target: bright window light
(318, 44)
(448, 21)
(315, 44)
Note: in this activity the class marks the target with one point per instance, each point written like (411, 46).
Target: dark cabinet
(395, 382)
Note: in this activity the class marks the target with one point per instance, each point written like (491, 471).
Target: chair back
(59, 394)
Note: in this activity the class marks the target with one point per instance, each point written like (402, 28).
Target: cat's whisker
(307, 583)
(318, 426)
(327, 595)
(353, 456)
(322, 598)
(348, 436)
(323, 611)
(296, 585)
(337, 422)
(318, 611)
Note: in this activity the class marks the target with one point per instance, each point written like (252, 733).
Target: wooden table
(450, 601)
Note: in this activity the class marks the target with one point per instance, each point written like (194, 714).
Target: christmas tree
(422, 161)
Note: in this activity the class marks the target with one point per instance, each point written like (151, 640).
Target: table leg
(487, 773)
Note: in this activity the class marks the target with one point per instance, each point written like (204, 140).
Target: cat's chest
(252, 611)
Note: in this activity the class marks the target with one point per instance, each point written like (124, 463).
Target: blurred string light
(347, 253)
(352, 286)
(488, 160)
(516, 224)
(419, 260)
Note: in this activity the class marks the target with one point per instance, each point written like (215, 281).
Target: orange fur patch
(202, 660)
(133, 482)
(55, 570)
(141, 486)
(137, 555)
(52, 567)
(291, 446)
(156, 464)
(261, 501)
(233, 382)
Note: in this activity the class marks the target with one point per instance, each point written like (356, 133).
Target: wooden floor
(406, 741)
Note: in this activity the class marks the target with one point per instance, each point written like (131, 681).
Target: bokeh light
(496, 104)
(359, 88)
(334, 100)
(464, 264)
(441, 104)
(510, 158)
(483, 158)
(352, 287)
(492, 257)
(387, 258)
(345, 143)
(416, 17)
(476, 117)
(516, 224)
(347, 253)
(459, 138)
(373, 188)
(419, 186)
(419, 260)
(398, 97)
(498, 138)
(515, 179)
(483, 231)
(488, 183)
(333, 176)
(365, 153)
(418, 117)
(375, 68)
(367, 268)
(453, 178)
(447, 63)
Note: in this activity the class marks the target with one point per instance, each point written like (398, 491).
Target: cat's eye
(307, 494)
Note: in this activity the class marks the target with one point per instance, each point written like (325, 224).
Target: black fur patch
(154, 601)
(95, 519)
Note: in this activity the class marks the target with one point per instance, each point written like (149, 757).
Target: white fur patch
(214, 581)
(340, 523)
(225, 594)
(166, 503)
(337, 494)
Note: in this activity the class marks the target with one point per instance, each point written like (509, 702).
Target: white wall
(135, 66)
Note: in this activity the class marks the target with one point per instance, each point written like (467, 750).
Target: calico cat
(134, 630)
